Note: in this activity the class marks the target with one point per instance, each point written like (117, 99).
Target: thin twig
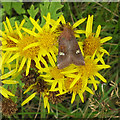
(38, 108)
(107, 9)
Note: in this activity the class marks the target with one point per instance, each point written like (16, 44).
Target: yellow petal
(94, 82)
(46, 103)
(28, 99)
(29, 88)
(9, 82)
(21, 24)
(73, 97)
(11, 49)
(101, 77)
(51, 60)
(18, 31)
(89, 26)
(6, 29)
(22, 63)
(9, 54)
(3, 93)
(98, 31)
(54, 84)
(36, 25)
(3, 35)
(71, 75)
(81, 97)
(9, 25)
(28, 66)
(105, 39)
(13, 57)
(37, 63)
(44, 62)
(69, 71)
(6, 91)
(48, 80)
(8, 74)
(78, 22)
(53, 55)
(104, 51)
(101, 59)
(62, 19)
(103, 66)
(31, 45)
(60, 86)
(89, 90)
(13, 39)
(75, 81)
(17, 63)
(80, 31)
(30, 32)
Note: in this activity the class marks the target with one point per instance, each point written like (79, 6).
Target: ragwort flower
(93, 42)
(6, 80)
(8, 45)
(46, 40)
(80, 76)
(22, 55)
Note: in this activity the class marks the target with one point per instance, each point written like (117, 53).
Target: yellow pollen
(91, 44)
(89, 68)
(47, 40)
(76, 87)
(55, 73)
(30, 52)
(10, 43)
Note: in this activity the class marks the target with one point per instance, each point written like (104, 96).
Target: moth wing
(78, 59)
(76, 55)
(63, 61)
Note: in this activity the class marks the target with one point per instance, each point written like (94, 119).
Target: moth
(68, 50)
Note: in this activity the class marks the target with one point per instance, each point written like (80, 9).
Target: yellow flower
(4, 57)
(93, 42)
(21, 54)
(80, 76)
(4, 77)
(9, 32)
(54, 77)
(7, 44)
(46, 40)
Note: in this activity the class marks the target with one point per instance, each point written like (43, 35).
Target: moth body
(69, 51)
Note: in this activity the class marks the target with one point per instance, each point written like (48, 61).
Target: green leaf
(27, 24)
(8, 7)
(32, 11)
(2, 13)
(17, 6)
(51, 7)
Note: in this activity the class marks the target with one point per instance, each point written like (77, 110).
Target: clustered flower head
(33, 54)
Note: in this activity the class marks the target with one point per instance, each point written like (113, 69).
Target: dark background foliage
(106, 101)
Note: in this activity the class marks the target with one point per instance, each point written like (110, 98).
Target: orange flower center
(10, 43)
(55, 73)
(30, 52)
(91, 44)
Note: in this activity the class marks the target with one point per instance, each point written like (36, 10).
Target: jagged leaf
(51, 7)
(32, 11)
(8, 7)
(17, 6)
